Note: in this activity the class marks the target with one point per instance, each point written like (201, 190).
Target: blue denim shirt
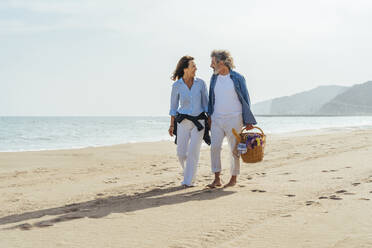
(187, 101)
(242, 92)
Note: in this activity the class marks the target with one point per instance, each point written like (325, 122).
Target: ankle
(233, 179)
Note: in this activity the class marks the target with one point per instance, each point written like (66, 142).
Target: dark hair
(182, 64)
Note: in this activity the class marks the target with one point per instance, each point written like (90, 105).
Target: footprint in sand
(348, 167)
(25, 226)
(290, 195)
(110, 181)
(241, 186)
(335, 197)
(261, 174)
(249, 178)
(292, 180)
(286, 173)
(308, 203)
(364, 199)
(337, 177)
(288, 215)
(333, 170)
(341, 191)
(323, 197)
(355, 184)
(258, 190)
(349, 193)
(324, 171)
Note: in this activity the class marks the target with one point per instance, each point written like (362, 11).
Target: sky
(116, 57)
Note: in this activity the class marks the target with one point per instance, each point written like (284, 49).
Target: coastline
(20, 134)
(302, 132)
(129, 194)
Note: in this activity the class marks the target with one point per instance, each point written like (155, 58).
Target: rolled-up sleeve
(204, 98)
(174, 101)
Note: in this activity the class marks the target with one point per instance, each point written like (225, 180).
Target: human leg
(183, 138)
(217, 136)
(193, 153)
(237, 124)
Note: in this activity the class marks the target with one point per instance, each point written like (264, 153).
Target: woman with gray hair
(228, 108)
(189, 122)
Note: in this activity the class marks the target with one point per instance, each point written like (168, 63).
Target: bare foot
(231, 183)
(216, 183)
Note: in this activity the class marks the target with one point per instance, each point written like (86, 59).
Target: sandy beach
(313, 189)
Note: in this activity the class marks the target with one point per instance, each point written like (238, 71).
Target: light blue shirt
(187, 101)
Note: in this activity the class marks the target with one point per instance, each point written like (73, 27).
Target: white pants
(221, 128)
(189, 140)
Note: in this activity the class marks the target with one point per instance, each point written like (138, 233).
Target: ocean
(51, 133)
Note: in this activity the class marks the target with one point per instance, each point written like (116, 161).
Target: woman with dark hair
(188, 108)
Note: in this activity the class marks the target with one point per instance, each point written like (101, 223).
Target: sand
(313, 189)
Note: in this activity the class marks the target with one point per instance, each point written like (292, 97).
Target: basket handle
(254, 127)
(237, 136)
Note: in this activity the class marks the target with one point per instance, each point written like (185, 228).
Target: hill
(304, 103)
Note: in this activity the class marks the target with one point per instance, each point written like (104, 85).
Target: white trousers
(189, 141)
(221, 128)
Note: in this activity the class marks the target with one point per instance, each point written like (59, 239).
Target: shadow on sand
(114, 204)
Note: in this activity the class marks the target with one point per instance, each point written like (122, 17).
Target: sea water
(50, 133)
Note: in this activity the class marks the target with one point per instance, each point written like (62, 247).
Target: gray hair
(224, 56)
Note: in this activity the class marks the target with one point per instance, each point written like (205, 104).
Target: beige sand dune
(313, 189)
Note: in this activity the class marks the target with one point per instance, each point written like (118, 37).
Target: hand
(170, 130)
(249, 127)
(235, 152)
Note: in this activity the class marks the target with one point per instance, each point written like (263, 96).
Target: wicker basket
(257, 153)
